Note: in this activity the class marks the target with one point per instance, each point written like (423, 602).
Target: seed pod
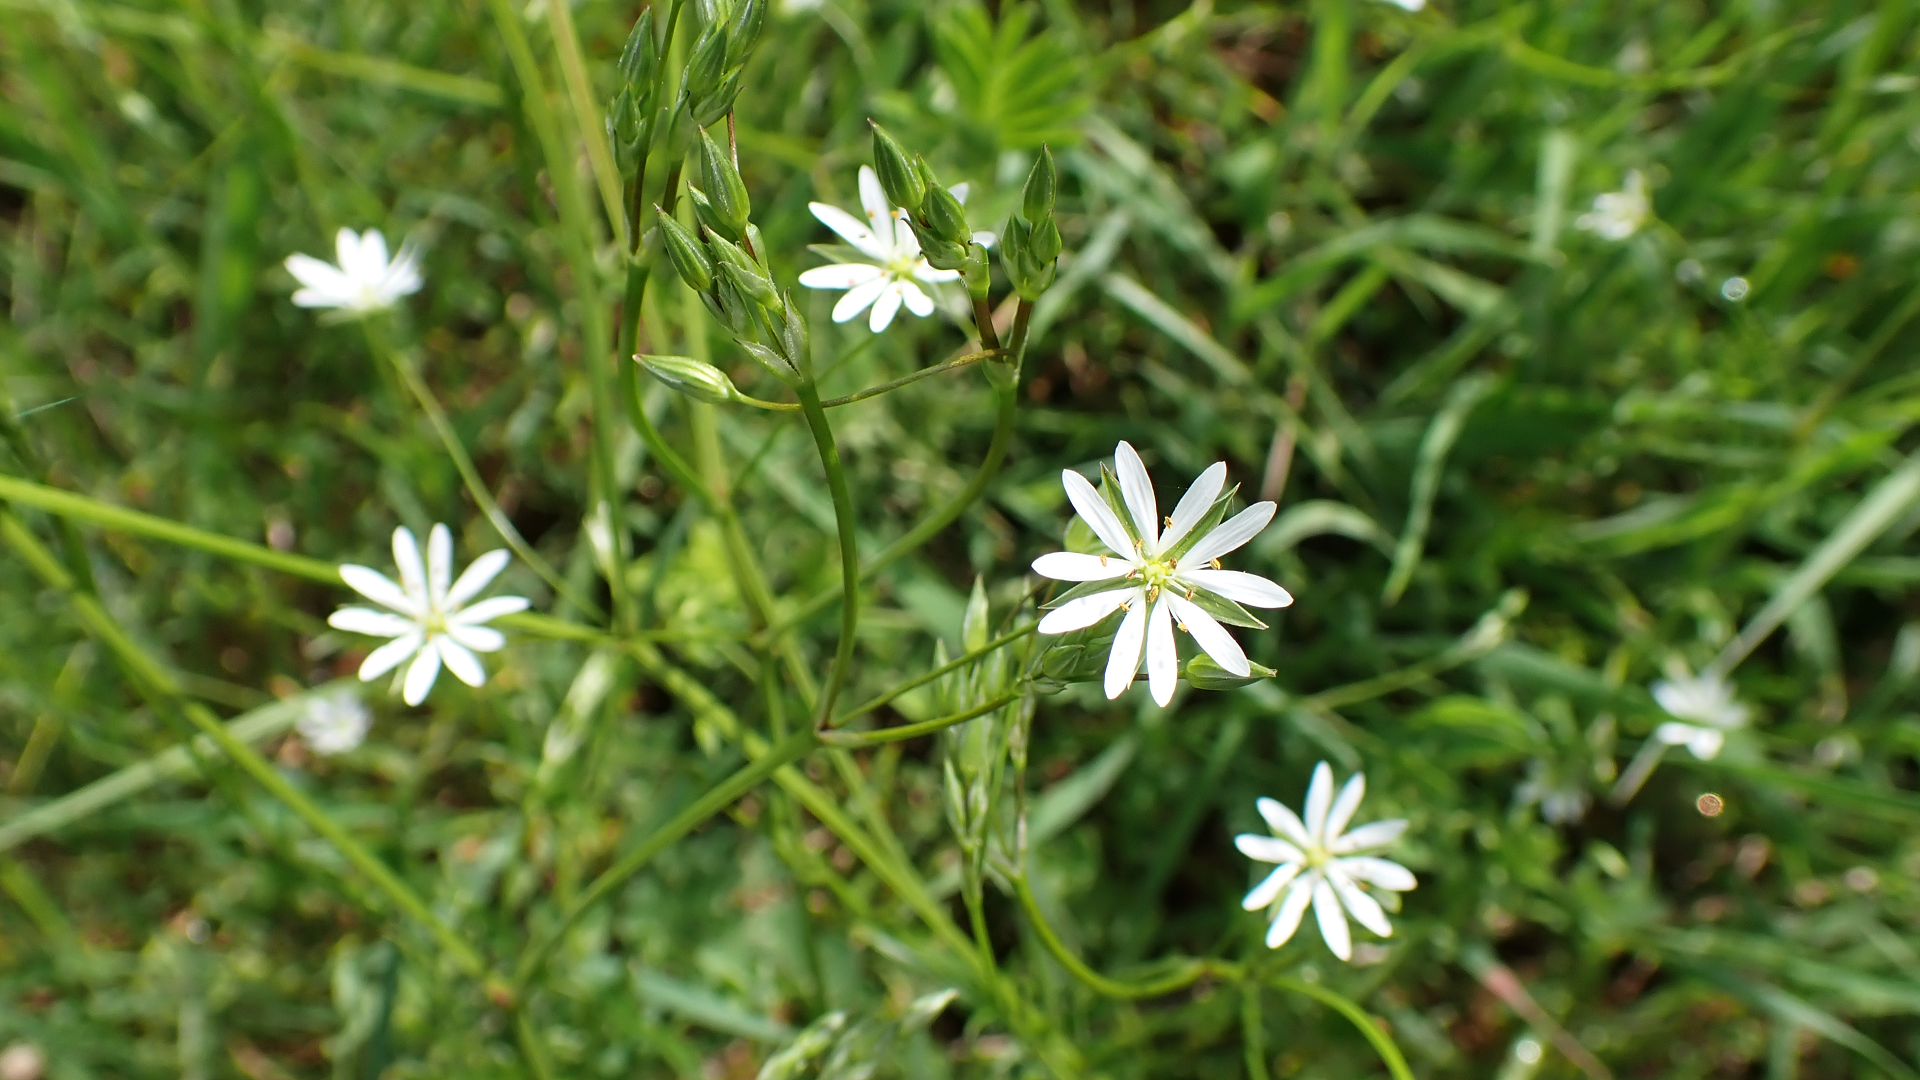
(903, 183)
(641, 58)
(695, 378)
(1036, 200)
(686, 252)
(944, 216)
(720, 181)
(744, 32)
(745, 274)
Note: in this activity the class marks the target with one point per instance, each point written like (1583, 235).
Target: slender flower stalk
(429, 619)
(1320, 864)
(362, 281)
(1161, 578)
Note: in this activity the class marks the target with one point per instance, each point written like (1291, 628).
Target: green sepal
(1203, 674)
(945, 217)
(640, 58)
(776, 365)
(1110, 491)
(903, 184)
(725, 191)
(743, 33)
(685, 251)
(1088, 588)
(1208, 522)
(706, 66)
(1222, 609)
(745, 274)
(1036, 199)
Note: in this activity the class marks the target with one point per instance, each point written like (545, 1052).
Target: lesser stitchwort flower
(434, 624)
(1705, 709)
(1320, 864)
(334, 722)
(897, 269)
(364, 280)
(1617, 215)
(1156, 577)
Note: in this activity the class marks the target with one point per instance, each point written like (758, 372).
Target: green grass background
(1337, 223)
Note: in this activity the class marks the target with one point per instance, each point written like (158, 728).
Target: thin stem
(160, 684)
(532, 1047)
(849, 549)
(955, 664)
(874, 391)
(717, 798)
(856, 739)
(1186, 975)
(470, 476)
(983, 321)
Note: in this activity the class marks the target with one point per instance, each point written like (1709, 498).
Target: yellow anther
(1215, 563)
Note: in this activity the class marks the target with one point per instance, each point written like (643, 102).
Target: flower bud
(1036, 200)
(1044, 241)
(720, 182)
(627, 131)
(641, 58)
(793, 335)
(686, 253)
(944, 216)
(777, 365)
(744, 32)
(706, 66)
(902, 182)
(939, 252)
(697, 379)
(711, 108)
(745, 274)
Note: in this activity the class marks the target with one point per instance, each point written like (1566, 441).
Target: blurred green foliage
(1332, 243)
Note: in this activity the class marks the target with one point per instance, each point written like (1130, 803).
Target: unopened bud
(720, 182)
(902, 182)
(1036, 200)
(944, 215)
(745, 274)
(695, 378)
(1044, 242)
(711, 108)
(793, 335)
(686, 252)
(706, 66)
(744, 32)
(641, 57)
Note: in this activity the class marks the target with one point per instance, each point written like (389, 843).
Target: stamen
(1182, 626)
(1215, 563)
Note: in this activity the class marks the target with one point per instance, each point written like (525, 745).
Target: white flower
(1617, 215)
(1706, 709)
(334, 722)
(1410, 5)
(434, 623)
(364, 281)
(1320, 864)
(898, 269)
(1155, 577)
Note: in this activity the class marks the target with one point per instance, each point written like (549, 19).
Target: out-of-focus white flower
(434, 623)
(1617, 215)
(1562, 796)
(1410, 5)
(22, 1061)
(363, 281)
(1320, 864)
(897, 269)
(1157, 576)
(1706, 710)
(334, 722)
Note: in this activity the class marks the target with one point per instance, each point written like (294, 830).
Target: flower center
(1157, 574)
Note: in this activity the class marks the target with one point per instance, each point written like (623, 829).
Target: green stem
(470, 476)
(160, 683)
(1186, 975)
(855, 739)
(983, 322)
(1382, 1044)
(717, 798)
(872, 391)
(849, 549)
(532, 1047)
(955, 664)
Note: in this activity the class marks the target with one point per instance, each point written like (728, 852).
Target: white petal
(1706, 743)
(1230, 534)
(1674, 733)
(931, 276)
(1287, 919)
(359, 620)
(917, 302)
(477, 638)
(873, 199)
(1097, 514)
(486, 610)
(840, 275)
(1211, 636)
(1345, 804)
(403, 276)
(1333, 921)
(479, 574)
(1364, 909)
(1194, 504)
(1267, 849)
(851, 229)
(1124, 660)
(380, 589)
(885, 307)
(1269, 888)
(346, 250)
(1136, 490)
(439, 563)
(1319, 799)
(1376, 834)
(373, 257)
(322, 277)
(420, 677)
(858, 298)
(320, 298)
(1163, 656)
(388, 656)
(1381, 873)
(906, 243)
(1236, 585)
(1282, 820)
(1084, 612)
(413, 572)
(1074, 566)
(464, 665)
(985, 239)
(960, 191)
